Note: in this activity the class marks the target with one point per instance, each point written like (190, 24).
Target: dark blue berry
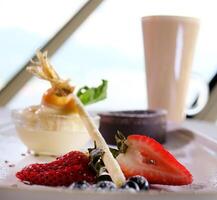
(105, 185)
(141, 182)
(82, 185)
(130, 185)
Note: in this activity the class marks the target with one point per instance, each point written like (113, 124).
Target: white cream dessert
(42, 117)
(53, 127)
(45, 131)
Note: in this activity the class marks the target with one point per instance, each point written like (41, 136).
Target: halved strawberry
(146, 157)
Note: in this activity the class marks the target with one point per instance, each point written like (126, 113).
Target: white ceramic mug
(169, 44)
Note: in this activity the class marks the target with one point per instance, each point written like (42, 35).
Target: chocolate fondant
(146, 122)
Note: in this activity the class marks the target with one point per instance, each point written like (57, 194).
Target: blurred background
(108, 45)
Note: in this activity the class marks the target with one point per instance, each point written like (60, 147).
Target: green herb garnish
(92, 95)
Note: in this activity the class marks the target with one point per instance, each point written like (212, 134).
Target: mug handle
(202, 96)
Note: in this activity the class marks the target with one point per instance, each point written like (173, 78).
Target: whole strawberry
(72, 167)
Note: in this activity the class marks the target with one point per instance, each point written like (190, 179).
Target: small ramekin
(51, 134)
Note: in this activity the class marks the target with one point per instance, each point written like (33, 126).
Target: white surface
(197, 153)
(206, 128)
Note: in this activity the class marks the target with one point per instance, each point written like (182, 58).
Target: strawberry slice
(146, 157)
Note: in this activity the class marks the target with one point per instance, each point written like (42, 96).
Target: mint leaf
(94, 94)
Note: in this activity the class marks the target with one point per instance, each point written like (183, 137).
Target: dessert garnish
(141, 181)
(141, 155)
(61, 97)
(97, 164)
(90, 95)
(72, 167)
(81, 185)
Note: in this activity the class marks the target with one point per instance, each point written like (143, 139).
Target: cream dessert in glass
(54, 126)
(50, 133)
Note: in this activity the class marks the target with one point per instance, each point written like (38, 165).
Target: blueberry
(105, 185)
(141, 182)
(130, 185)
(82, 185)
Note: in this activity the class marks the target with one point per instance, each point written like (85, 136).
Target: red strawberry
(65, 170)
(146, 157)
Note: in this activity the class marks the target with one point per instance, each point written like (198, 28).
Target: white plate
(196, 152)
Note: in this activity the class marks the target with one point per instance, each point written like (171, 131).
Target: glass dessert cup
(50, 133)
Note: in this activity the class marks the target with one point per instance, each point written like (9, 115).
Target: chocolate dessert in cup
(151, 123)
